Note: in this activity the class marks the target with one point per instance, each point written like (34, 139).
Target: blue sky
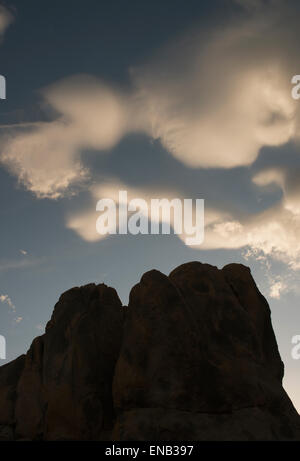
(184, 99)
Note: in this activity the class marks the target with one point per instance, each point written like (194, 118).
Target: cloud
(5, 299)
(273, 233)
(43, 160)
(46, 156)
(6, 18)
(84, 222)
(213, 98)
(287, 179)
(11, 264)
(270, 176)
(275, 284)
(276, 289)
(285, 215)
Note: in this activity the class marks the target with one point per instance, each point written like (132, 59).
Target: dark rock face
(199, 360)
(194, 359)
(9, 377)
(63, 391)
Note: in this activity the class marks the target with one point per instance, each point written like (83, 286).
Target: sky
(177, 98)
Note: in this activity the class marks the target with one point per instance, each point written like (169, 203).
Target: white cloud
(270, 176)
(287, 179)
(84, 222)
(284, 240)
(276, 289)
(46, 157)
(213, 98)
(273, 233)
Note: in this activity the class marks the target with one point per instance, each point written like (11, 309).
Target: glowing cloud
(213, 98)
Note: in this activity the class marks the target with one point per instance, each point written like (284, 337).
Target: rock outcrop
(62, 389)
(192, 357)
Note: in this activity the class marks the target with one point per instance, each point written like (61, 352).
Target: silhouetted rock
(199, 360)
(30, 402)
(193, 357)
(64, 390)
(9, 377)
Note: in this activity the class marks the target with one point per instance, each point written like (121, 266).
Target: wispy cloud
(276, 289)
(206, 103)
(5, 299)
(213, 98)
(15, 264)
(84, 221)
(92, 115)
(216, 97)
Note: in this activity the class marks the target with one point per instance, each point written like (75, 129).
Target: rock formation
(61, 389)
(192, 357)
